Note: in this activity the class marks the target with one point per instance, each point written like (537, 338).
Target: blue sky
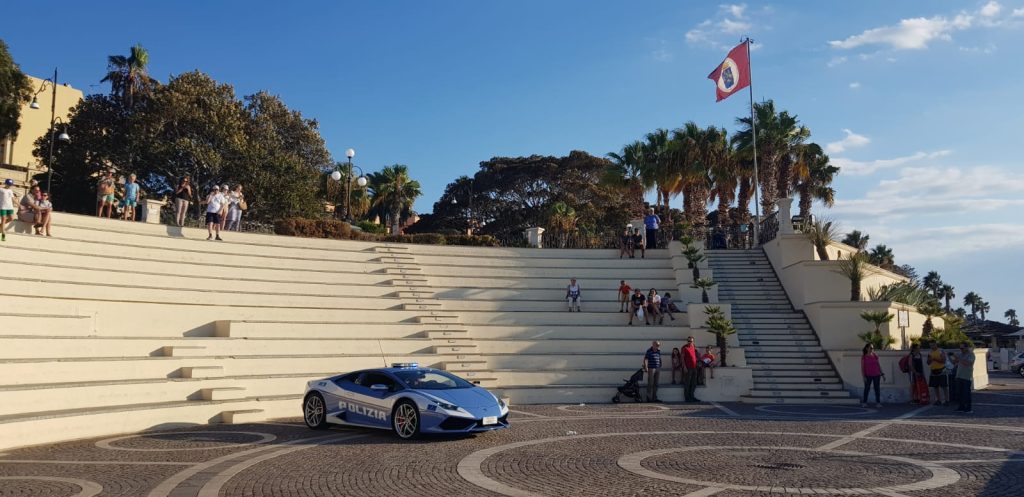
(919, 102)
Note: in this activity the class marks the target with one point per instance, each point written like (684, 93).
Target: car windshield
(432, 380)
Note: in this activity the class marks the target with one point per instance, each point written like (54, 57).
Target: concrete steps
(788, 363)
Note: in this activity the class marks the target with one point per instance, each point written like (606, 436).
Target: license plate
(490, 420)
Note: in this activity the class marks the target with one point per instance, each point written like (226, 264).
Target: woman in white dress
(235, 199)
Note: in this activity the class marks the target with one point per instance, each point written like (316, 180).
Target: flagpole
(753, 129)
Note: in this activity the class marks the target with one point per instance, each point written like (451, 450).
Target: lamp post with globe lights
(63, 136)
(361, 181)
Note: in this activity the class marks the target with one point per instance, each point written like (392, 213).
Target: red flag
(733, 74)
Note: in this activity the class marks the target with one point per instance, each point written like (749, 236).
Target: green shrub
(369, 227)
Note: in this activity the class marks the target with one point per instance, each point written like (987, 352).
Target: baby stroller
(631, 388)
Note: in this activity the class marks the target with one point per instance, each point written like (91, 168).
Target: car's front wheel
(314, 411)
(406, 420)
(1020, 371)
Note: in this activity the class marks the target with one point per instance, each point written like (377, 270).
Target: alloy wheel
(314, 411)
(406, 420)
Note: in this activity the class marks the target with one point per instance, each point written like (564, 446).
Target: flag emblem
(728, 76)
(733, 74)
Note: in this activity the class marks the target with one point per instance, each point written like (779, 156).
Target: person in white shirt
(214, 203)
(573, 296)
(7, 197)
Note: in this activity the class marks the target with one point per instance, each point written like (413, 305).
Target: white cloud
(734, 10)
(987, 49)
(990, 9)
(835, 61)
(734, 27)
(855, 85)
(858, 168)
(909, 34)
(851, 140)
(1018, 12)
(720, 31)
(931, 244)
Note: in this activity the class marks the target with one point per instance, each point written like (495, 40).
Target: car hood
(464, 397)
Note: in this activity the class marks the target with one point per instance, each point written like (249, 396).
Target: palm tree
(946, 292)
(629, 165)
(127, 75)
(725, 179)
(562, 221)
(882, 257)
(392, 189)
(855, 268)
(984, 307)
(658, 161)
(693, 257)
(778, 135)
(821, 233)
(693, 150)
(877, 318)
(721, 327)
(812, 177)
(932, 282)
(704, 284)
(1011, 316)
(929, 310)
(856, 240)
(972, 300)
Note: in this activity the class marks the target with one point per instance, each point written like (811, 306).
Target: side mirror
(379, 387)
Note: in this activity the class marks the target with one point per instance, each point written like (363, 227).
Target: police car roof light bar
(405, 365)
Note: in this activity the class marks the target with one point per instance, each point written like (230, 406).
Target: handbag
(242, 205)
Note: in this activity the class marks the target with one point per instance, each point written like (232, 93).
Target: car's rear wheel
(314, 411)
(406, 420)
(1020, 371)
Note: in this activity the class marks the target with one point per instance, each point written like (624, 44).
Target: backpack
(905, 364)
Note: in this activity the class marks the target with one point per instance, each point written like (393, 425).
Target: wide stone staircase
(113, 327)
(789, 365)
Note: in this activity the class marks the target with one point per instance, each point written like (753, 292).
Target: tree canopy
(15, 90)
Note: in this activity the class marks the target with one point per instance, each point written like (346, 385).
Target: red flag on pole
(733, 74)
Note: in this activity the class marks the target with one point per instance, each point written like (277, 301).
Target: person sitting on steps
(572, 295)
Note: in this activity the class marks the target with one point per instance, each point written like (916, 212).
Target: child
(572, 295)
(653, 303)
(707, 361)
(677, 365)
(626, 243)
(7, 200)
(624, 291)
(667, 307)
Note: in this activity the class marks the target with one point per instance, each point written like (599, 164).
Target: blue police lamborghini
(404, 398)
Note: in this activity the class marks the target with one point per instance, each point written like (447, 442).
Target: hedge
(340, 230)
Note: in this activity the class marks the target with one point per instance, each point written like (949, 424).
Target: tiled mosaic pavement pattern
(574, 450)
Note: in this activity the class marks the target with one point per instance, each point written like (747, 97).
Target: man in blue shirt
(652, 222)
(652, 365)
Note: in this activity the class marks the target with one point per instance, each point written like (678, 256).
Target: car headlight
(449, 407)
(501, 403)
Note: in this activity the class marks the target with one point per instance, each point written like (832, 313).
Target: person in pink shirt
(871, 370)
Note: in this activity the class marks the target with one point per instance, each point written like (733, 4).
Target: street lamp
(64, 137)
(361, 181)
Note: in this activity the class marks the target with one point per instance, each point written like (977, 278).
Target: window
(432, 380)
(369, 379)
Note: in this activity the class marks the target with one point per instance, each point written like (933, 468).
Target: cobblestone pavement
(573, 450)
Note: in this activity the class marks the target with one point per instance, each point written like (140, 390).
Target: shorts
(938, 380)
(6, 212)
(129, 203)
(106, 199)
(213, 217)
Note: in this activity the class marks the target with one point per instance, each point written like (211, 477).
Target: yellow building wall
(34, 124)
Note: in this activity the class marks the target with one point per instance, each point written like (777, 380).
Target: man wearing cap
(214, 203)
(652, 366)
(105, 194)
(7, 198)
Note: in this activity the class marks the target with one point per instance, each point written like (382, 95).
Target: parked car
(1017, 363)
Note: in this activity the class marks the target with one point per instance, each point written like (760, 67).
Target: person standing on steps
(965, 377)
(131, 198)
(690, 371)
(182, 197)
(636, 305)
(626, 243)
(938, 379)
(105, 194)
(652, 366)
(8, 197)
(624, 291)
(652, 222)
(872, 373)
(918, 386)
(214, 202)
(572, 295)
(677, 365)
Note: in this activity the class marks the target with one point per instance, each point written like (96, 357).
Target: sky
(917, 101)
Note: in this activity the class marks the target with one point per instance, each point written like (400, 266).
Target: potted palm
(821, 233)
(874, 337)
(704, 284)
(929, 309)
(855, 268)
(693, 258)
(717, 323)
